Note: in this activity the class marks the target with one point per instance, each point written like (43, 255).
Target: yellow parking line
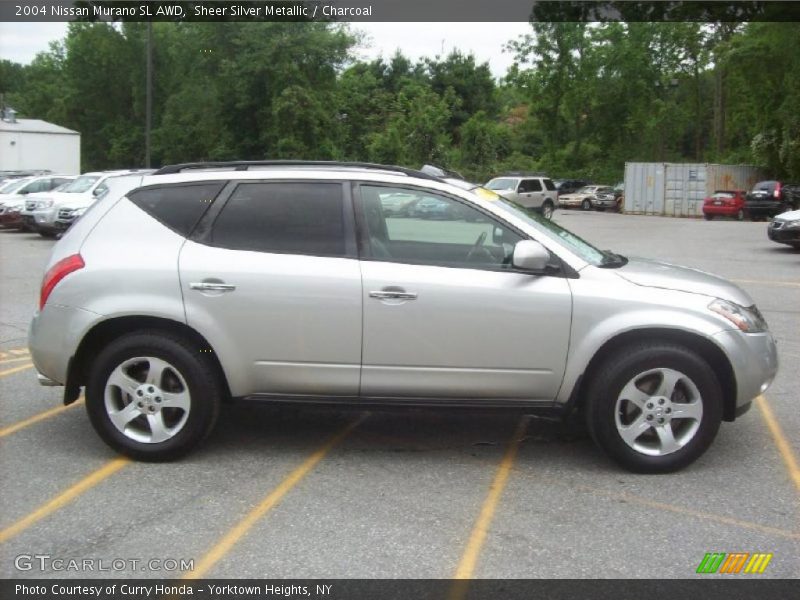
(469, 560)
(15, 369)
(64, 498)
(10, 360)
(36, 418)
(230, 539)
(768, 282)
(780, 440)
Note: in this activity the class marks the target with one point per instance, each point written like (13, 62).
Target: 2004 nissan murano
(285, 281)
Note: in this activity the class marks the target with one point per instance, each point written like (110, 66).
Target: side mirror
(530, 256)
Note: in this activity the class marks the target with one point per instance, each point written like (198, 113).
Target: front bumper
(11, 219)
(778, 232)
(754, 359)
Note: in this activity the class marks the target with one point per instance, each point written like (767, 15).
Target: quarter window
(284, 218)
(179, 207)
(418, 227)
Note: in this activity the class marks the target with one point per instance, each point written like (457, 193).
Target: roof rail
(244, 165)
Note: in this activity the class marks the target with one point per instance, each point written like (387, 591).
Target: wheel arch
(707, 349)
(106, 331)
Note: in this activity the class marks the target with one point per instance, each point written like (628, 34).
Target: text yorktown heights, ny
(181, 590)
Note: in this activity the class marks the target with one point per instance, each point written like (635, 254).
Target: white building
(31, 144)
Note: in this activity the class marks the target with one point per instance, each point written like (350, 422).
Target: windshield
(575, 244)
(80, 185)
(589, 189)
(502, 184)
(13, 185)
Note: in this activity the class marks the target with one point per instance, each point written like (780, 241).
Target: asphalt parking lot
(322, 494)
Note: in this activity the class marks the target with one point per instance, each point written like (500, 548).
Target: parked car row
(767, 199)
(50, 204)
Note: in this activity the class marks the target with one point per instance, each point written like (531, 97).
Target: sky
(20, 42)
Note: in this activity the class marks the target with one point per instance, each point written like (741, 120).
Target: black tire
(740, 215)
(708, 217)
(586, 205)
(198, 372)
(50, 235)
(548, 209)
(624, 366)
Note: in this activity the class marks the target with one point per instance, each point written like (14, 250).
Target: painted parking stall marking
(232, 537)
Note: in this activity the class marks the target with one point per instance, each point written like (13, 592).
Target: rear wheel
(655, 407)
(586, 205)
(708, 217)
(740, 215)
(152, 396)
(547, 210)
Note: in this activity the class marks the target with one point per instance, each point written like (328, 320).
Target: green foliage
(580, 100)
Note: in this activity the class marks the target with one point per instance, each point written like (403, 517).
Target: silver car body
(311, 326)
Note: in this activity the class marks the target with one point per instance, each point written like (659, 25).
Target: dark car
(770, 198)
(785, 229)
(570, 186)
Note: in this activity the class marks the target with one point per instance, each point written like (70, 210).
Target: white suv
(291, 282)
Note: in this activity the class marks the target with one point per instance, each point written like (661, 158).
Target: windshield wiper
(611, 260)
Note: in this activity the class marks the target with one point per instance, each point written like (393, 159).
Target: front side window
(434, 230)
(284, 218)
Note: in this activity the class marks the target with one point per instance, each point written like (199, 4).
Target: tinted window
(179, 207)
(286, 218)
(549, 185)
(433, 230)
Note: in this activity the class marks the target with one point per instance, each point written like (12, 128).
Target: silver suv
(530, 191)
(285, 281)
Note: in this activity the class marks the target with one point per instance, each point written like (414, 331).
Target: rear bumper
(721, 211)
(53, 338)
(762, 209)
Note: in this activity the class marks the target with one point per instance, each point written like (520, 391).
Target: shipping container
(678, 189)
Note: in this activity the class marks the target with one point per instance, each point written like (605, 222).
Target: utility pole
(149, 95)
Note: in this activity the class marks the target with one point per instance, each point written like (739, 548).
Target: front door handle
(393, 295)
(206, 286)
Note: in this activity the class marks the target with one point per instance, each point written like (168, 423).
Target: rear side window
(549, 185)
(283, 218)
(179, 207)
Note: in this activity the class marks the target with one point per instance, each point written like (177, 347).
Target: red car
(725, 203)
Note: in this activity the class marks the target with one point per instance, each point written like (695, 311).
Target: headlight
(79, 211)
(747, 319)
(15, 209)
(44, 204)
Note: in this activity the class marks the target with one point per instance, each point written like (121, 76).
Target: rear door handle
(393, 295)
(205, 286)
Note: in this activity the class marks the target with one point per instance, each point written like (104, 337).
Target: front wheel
(654, 407)
(740, 215)
(586, 205)
(152, 396)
